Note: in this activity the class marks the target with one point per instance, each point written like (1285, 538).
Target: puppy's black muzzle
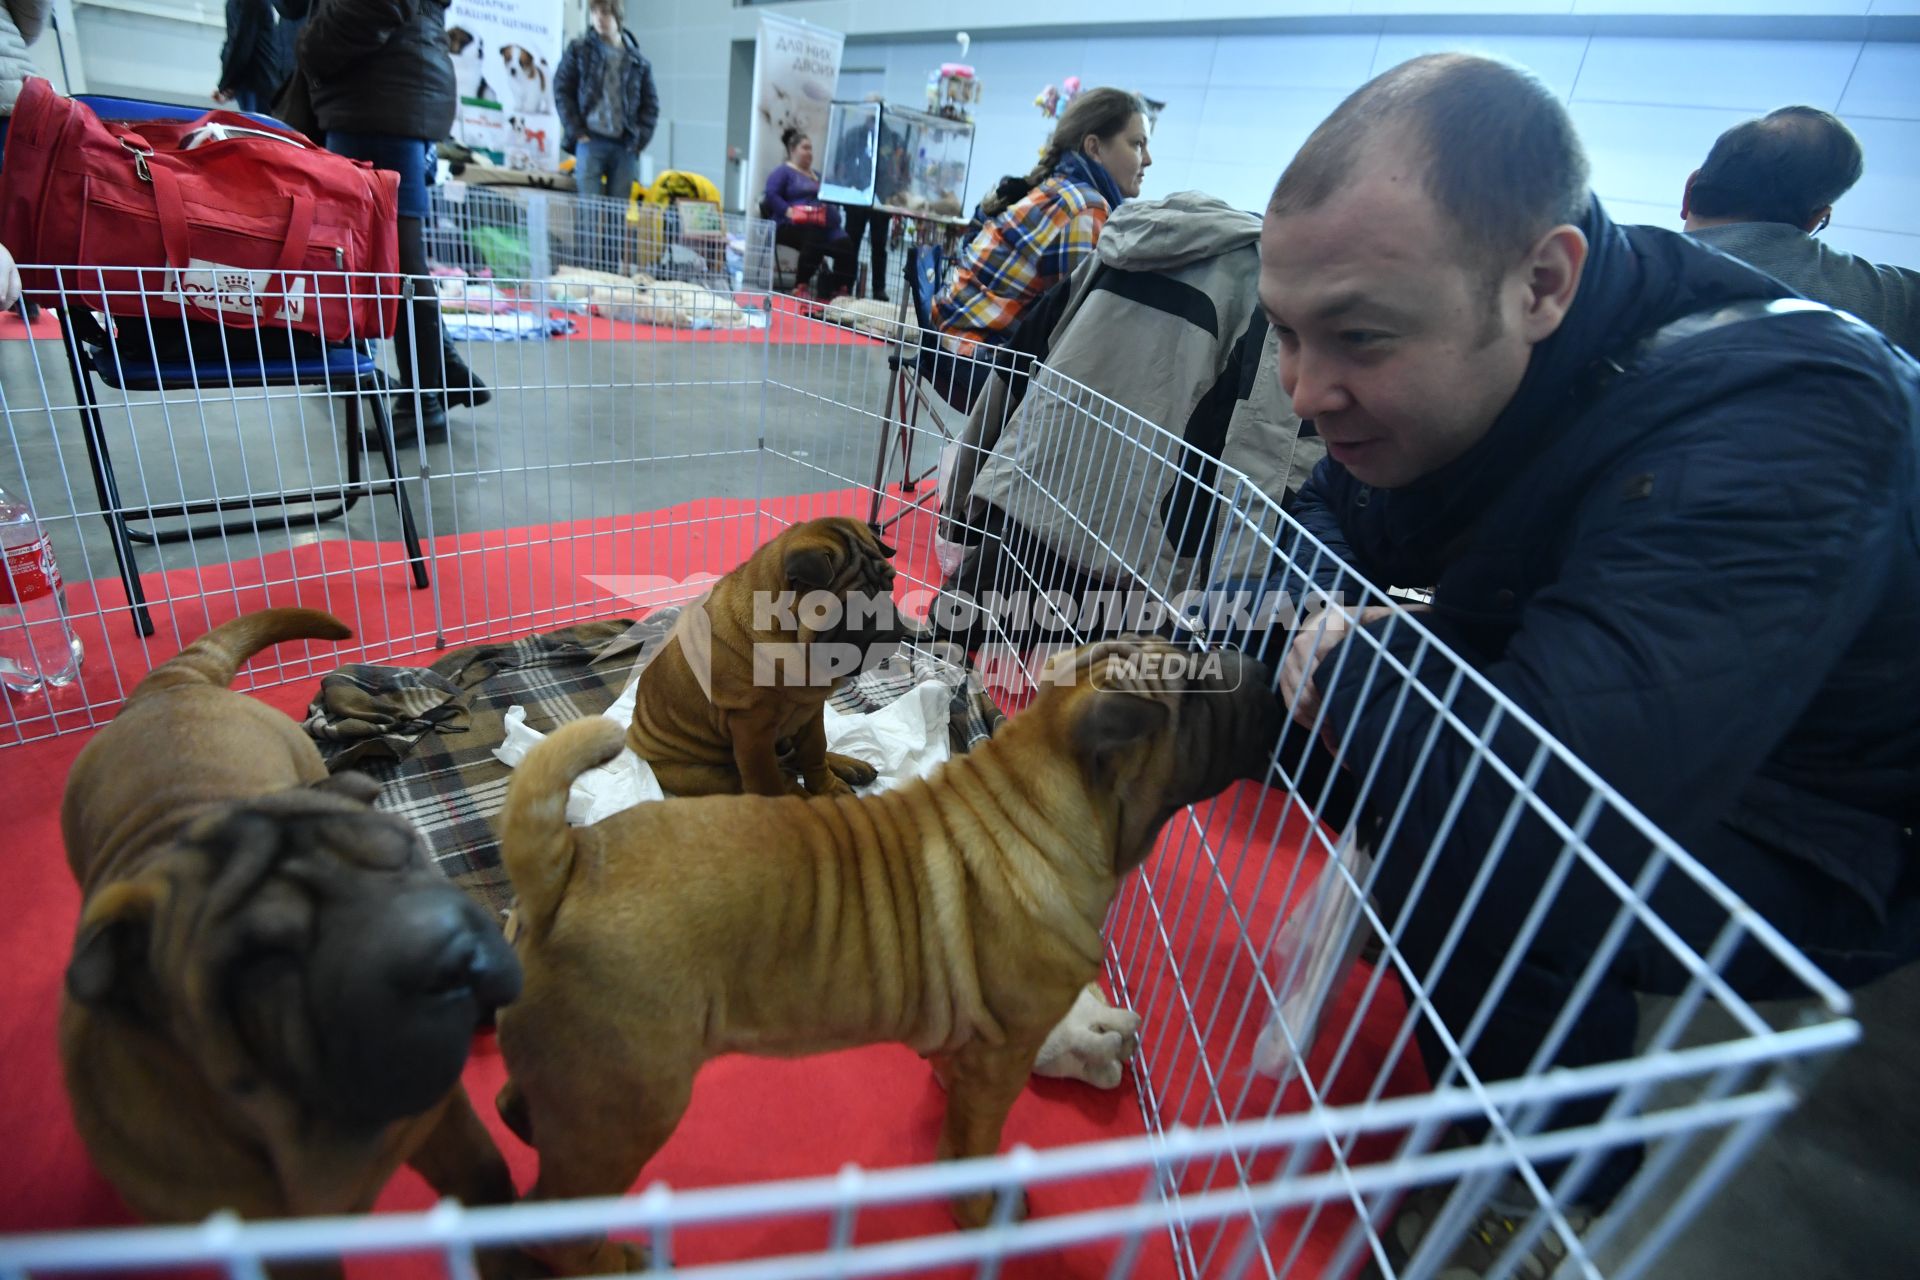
(398, 988)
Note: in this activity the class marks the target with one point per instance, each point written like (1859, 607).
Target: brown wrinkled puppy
(959, 914)
(721, 703)
(272, 991)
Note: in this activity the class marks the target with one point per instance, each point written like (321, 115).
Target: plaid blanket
(427, 734)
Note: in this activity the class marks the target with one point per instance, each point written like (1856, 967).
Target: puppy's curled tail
(216, 657)
(536, 845)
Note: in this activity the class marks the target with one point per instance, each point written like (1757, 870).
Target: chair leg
(895, 394)
(105, 484)
(409, 536)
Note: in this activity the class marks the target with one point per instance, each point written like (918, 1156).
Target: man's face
(606, 24)
(1389, 338)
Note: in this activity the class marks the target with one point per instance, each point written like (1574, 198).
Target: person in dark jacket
(286, 39)
(381, 83)
(252, 62)
(1667, 509)
(607, 102)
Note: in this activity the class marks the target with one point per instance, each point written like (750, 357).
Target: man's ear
(1686, 196)
(1819, 220)
(1109, 723)
(809, 567)
(1553, 269)
(109, 964)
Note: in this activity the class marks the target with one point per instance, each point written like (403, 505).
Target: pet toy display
(952, 87)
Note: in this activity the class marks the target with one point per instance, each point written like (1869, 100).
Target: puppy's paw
(1094, 1042)
(512, 1106)
(828, 784)
(853, 772)
(595, 1258)
(974, 1212)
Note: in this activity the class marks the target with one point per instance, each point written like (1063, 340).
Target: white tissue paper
(903, 740)
(1311, 958)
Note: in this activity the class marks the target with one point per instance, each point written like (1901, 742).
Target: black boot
(464, 388)
(429, 425)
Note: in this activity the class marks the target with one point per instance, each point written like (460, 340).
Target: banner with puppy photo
(795, 68)
(504, 55)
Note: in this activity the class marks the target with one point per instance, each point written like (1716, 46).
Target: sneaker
(1487, 1236)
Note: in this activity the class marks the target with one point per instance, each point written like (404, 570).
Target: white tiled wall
(1648, 109)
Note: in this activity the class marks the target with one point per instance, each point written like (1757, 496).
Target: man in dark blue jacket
(607, 103)
(1666, 510)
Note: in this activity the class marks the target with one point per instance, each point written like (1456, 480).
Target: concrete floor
(577, 430)
(1833, 1192)
(582, 429)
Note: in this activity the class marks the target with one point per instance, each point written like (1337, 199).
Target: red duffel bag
(260, 231)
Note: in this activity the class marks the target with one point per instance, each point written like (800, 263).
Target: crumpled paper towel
(903, 740)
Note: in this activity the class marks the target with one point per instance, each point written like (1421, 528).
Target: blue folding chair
(243, 361)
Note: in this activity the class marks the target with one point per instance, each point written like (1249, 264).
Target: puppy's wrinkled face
(842, 582)
(1157, 728)
(301, 946)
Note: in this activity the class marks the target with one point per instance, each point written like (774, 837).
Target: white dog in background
(469, 64)
(527, 89)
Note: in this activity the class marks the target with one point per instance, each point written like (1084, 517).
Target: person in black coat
(1668, 512)
(252, 62)
(607, 102)
(286, 39)
(381, 83)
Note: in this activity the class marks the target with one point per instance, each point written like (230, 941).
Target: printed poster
(504, 55)
(795, 67)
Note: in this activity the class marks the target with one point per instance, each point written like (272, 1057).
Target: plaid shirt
(1018, 256)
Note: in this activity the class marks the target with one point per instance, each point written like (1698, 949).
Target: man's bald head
(1789, 166)
(1500, 155)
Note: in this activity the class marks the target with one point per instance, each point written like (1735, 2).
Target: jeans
(411, 158)
(605, 169)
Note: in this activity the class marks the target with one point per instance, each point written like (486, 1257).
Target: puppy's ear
(357, 787)
(109, 964)
(1109, 723)
(809, 568)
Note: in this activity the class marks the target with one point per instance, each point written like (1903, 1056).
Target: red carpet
(787, 326)
(12, 326)
(751, 1119)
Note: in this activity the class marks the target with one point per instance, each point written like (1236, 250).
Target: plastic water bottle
(37, 645)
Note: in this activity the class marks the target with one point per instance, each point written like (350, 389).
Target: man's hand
(9, 280)
(1315, 636)
(221, 95)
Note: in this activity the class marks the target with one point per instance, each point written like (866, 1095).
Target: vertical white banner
(504, 55)
(795, 65)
